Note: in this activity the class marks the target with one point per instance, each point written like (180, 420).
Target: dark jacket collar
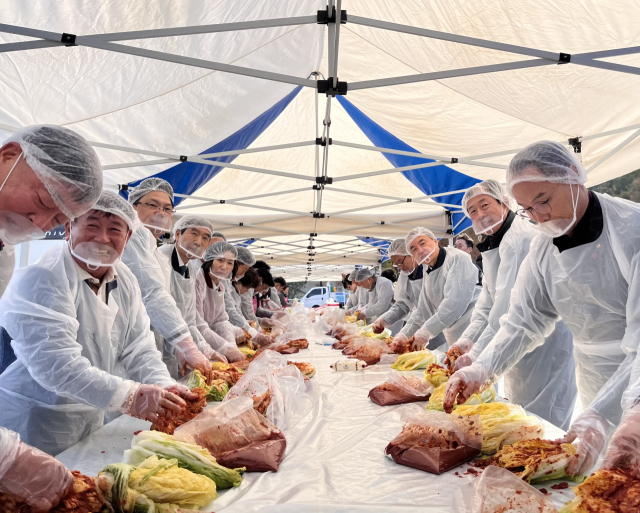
(416, 274)
(588, 229)
(182, 270)
(439, 261)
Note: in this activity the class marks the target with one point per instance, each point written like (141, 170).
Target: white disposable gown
(543, 381)
(595, 289)
(7, 264)
(212, 318)
(73, 351)
(246, 305)
(380, 298)
(449, 294)
(233, 306)
(407, 295)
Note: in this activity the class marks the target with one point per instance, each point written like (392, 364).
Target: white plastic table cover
(334, 461)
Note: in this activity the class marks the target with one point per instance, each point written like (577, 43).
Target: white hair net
(65, 163)
(218, 235)
(150, 185)
(491, 188)
(418, 232)
(398, 247)
(245, 256)
(115, 204)
(220, 249)
(363, 274)
(192, 221)
(545, 161)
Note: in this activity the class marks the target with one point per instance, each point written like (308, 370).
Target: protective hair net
(363, 274)
(192, 221)
(418, 232)
(218, 235)
(491, 188)
(245, 256)
(545, 161)
(150, 185)
(398, 247)
(65, 163)
(114, 204)
(220, 249)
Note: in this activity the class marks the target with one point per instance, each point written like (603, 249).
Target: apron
(165, 264)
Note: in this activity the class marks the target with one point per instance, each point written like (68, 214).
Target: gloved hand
(379, 326)
(461, 347)
(262, 340)
(150, 402)
(420, 340)
(30, 474)
(591, 429)
(217, 357)
(211, 354)
(234, 355)
(252, 331)
(624, 446)
(399, 342)
(190, 357)
(181, 391)
(463, 384)
(349, 312)
(266, 323)
(361, 316)
(463, 361)
(281, 316)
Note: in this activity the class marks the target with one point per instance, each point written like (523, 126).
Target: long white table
(335, 459)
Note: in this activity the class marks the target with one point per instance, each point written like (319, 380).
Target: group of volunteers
(557, 314)
(105, 323)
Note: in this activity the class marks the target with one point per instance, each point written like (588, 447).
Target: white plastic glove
(190, 357)
(463, 361)
(624, 446)
(379, 326)
(150, 402)
(399, 342)
(461, 347)
(591, 429)
(30, 474)
(252, 331)
(239, 335)
(361, 316)
(262, 340)
(463, 384)
(420, 339)
(182, 391)
(349, 312)
(211, 354)
(234, 354)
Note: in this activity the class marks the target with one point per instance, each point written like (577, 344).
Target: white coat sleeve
(216, 342)
(140, 358)
(632, 394)
(531, 318)
(352, 302)
(459, 289)
(480, 316)
(160, 305)
(39, 313)
(247, 305)
(419, 315)
(235, 314)
(403, 305)
(383, 300)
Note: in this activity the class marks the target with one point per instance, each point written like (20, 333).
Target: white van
(316, 297)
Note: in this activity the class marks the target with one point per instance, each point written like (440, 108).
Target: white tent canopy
(465, 83)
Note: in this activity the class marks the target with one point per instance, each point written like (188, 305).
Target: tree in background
(627, 187)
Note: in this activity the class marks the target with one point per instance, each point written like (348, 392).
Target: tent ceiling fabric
(168, 109)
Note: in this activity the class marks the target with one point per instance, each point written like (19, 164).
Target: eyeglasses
(541, 207)
(166, 210)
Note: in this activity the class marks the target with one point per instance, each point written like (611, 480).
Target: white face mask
(407, 273)
(486, 224)
(14, 228)
(422, 259)
(558, 227)
(192, 250)
(94, 254)
(158, 224)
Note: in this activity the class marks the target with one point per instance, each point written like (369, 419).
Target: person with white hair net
(153, 202)
(543, 381)
(582, 269)
(449, 291)
(192, 234)
(380, 294)
(48, 175)
(232, 300)
(358, 297)
(213, 320)
(81, 336)
(407, 291)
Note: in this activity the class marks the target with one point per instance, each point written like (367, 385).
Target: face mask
(486, 226)
(191, 249)
(407, 273)
(558, 227)
(14, 228)
(158, 223)
(94, 254)
(219, 274)
(421, 260)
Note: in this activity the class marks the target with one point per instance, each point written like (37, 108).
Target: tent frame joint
(324, 18)
(327, 87)
(564, 58)
(324, 180)
(318, 215)
(68, 39)
(322, 141)
(576, 143)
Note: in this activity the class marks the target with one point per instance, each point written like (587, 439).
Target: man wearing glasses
(583, 269)
(153, 201)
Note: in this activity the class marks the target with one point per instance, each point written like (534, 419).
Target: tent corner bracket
(324, 18)
(324, 180)
(326, 87)
(576, 143)
(564, 58)
(68, 39)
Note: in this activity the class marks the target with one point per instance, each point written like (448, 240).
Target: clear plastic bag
(296, 337)
(277, 389)
(236, 436)
(334, 316)
(435, 442)
(498, 490)
(400, 389)
(369, 349)
(343, 329)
